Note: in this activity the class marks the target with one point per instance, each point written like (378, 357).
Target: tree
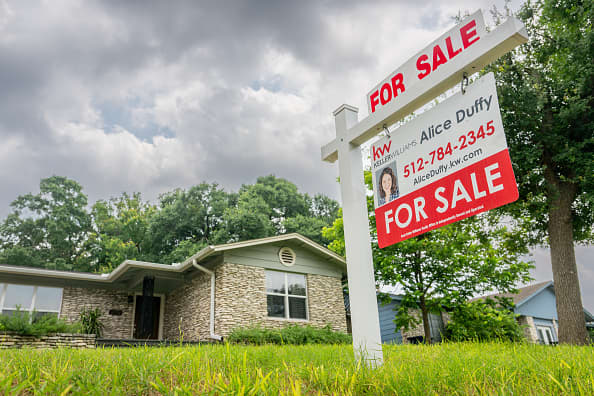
(275, 206)
(48, 229)
(249, 219)
(195, 215)
(445, 267)
(122, 231)
(484, 320)
(546, 92)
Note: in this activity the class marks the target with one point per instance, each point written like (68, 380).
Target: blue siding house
(536, 305)
(392, 335)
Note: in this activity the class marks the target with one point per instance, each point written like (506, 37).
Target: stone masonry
(75, 299)
(529, 329)
(241, 300)
(417, 331)
(326, 303)
(58, 340)
(187, 311)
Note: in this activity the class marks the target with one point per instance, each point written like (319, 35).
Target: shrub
(90, 321)
(294, 334)
(24, 323)
(483, 320)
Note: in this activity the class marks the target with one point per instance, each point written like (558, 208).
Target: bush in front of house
(293, 335)
(25, 323)
(91, 322)
(483, 320)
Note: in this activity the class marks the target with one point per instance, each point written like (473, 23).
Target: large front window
(286, 295)
(38, 299)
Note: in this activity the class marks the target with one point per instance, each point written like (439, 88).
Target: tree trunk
(572, 322)
(426, 325)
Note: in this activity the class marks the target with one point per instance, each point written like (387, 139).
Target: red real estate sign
(450, 163)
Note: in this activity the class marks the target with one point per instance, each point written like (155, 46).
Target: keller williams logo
(380, 151)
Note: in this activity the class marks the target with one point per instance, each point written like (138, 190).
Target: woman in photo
(388, 187)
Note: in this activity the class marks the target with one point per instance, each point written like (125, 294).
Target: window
(42, 300)
(286, 295)
(545, 335)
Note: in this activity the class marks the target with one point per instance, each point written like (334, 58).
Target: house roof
(304, 242)
(523, 295)
(130, 273)
(526, 293)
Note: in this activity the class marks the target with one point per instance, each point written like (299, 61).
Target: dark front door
(156, 308)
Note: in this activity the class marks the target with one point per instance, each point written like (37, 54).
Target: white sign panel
(447, 164)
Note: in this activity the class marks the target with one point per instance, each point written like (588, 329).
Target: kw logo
(380, 151)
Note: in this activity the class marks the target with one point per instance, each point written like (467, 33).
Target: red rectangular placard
(479, 187)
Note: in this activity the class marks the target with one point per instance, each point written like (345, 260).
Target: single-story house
(535, 304)
(270, 282)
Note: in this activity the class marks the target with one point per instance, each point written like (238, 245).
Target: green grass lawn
(503, 369)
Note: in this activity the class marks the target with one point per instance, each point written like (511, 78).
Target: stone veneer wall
(417, 331)
(241, 300)
(529, 329)
(326, 303)
(187, 311)
(75, 299)
(59, 340)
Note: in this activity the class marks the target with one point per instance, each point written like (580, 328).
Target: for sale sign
(432, 60)
(449, 163)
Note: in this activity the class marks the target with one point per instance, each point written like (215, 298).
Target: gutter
(212, 299)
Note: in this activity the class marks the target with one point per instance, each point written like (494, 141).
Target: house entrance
(153, 319)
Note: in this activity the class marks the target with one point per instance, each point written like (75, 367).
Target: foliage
(483, 320)
(446, 369)
(447, 266)
(274, 206)
(25, 323)
(54, 229)
(290, 335)
(122, 230)
(546, 93)
(193, 215)
(91, 322)
(591, 333)
(48, 229)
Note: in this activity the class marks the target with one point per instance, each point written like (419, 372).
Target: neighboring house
(392, 335)
(268, 282)
(536, 305)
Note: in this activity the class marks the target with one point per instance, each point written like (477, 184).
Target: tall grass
(456, 369)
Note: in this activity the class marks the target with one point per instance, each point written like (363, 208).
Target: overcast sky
(149, 96)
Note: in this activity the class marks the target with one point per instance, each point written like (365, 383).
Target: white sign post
(464, 49)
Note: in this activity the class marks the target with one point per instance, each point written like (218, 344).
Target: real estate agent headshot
(387, 186)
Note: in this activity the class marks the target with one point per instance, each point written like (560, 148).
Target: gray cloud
(150, 95)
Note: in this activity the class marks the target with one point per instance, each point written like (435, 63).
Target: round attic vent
(287, 256)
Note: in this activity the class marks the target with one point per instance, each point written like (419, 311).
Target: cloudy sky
(149, 96)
